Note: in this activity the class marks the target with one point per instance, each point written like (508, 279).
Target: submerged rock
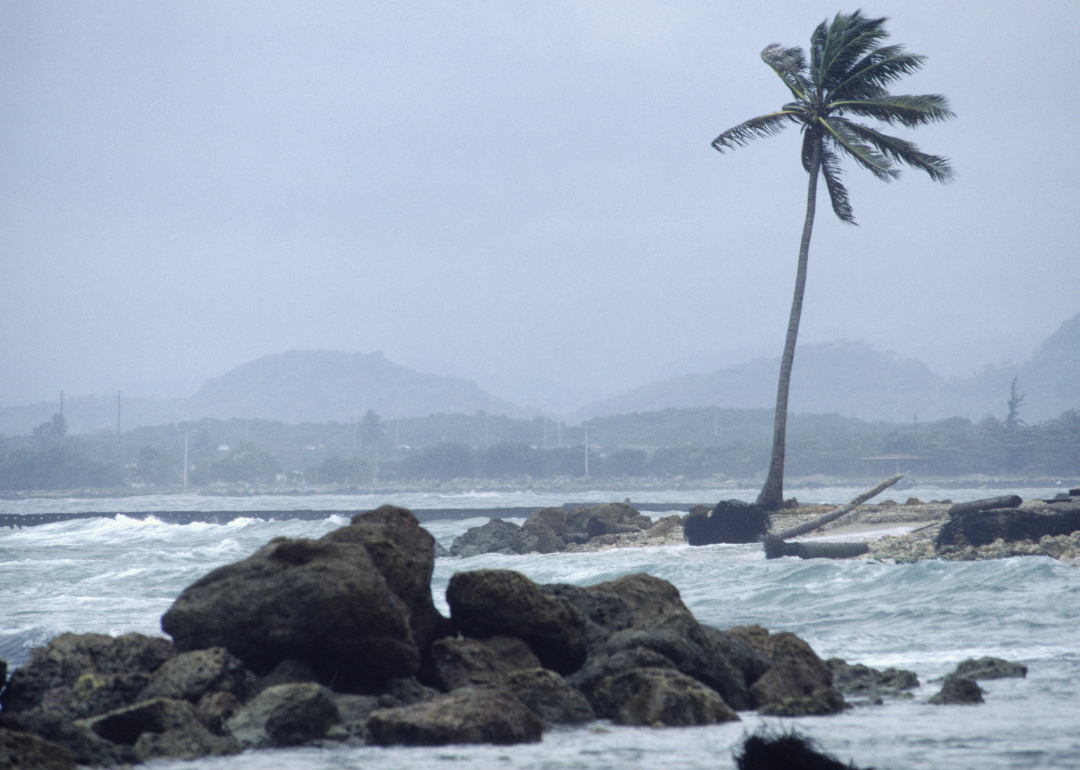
(469, 715)
(958, 690)
(989, 668)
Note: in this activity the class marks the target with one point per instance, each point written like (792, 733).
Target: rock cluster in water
(337, 640)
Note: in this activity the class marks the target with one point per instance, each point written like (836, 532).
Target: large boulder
(497, 536)
(605, 519)
(647, 598)
(658, 696)
(285, 715)
(957, 690)
(797, 671)
(485, 603)
(404, 554)
(26, 751)
(989, 668)
(604, 612)
(159, 728)
(730, 521)
(80, 675)
(859, 681)
(469, 715)
(470, 662)
(549, 696)
(982, 527)
(321, 602)
(85, 745)
(191, 675)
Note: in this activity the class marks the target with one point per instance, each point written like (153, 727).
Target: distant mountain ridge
(852, 379)
(293, 387)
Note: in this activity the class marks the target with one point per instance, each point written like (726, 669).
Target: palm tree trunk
(772, 494)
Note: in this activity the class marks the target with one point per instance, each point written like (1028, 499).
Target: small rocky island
(338, 641)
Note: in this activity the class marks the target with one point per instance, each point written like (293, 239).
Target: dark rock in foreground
(25, 751)
(784, 751)
(730, 521)
(958, 689)
(477, 715)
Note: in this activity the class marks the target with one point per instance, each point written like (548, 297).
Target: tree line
(694, 443)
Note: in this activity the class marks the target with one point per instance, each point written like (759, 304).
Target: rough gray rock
(989, 668)
(86, 746)
(958, 690)
(497, 536)
(467, 663)
(601, 666)
(797, 671)
(818, 703)
(191, 675)
(486, 603)
(549, 696)
(604, 612)
(863, 682)
(159, 728)
(469, 715)
(285, 715)
(658, 696)
(605, 519)
(80, 675)
(25, 751)
(324, 603)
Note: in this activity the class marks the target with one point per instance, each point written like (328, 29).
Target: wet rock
(957, 690)
(497, 536)
(85, 745)
(604, 612)
(537, 536)
(215, 708)
(404, 554)
(797, 671)
(549, 696)
(745, 659)
(648, 598)
(863, 682)
(485, 603)
(191, 675)
(658, 696)
(285, 715)
(989, 668)
(288, 671)
(818, 703)
(161, 727)
(605, 519)
(979, 528)
(469, 715)
(601, 666)
(470, 662)
(80, 675)
(25, 751)
(406, 691)
(730, 521)
(321, 602)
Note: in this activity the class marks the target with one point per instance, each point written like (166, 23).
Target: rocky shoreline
(337, 641)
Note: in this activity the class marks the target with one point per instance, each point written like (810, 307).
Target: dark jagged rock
(859, 681)
(470, 662)
(80, 675)
(604, 612)
(404, 554)
(469, 715)
(542, 533)
(318, 601)
(748, 661)
(797, 671)
(288, 671)
(989, 668)
(1011, 525)
(730, 521)
(191, 675)
(648, 598)
(659, 696)
(215, 708)
(601, 666)
(549, 696)
(958, 690)
(285, 715)
(497, 536)
(486, 603)
(784, 751)
(85, 745)
(605, 519)
(817, 704)
(162, 728)
(25, 751)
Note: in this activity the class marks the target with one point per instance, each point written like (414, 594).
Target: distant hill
(853, 379)
(294, 387)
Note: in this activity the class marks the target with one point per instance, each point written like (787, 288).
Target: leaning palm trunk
(772, 494)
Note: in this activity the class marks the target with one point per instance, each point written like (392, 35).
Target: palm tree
(846, 77)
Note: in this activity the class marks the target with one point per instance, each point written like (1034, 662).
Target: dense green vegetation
(692, 443)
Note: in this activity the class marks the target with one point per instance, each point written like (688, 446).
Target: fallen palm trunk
(775, 547)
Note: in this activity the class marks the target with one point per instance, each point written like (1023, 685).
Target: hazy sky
(505, 191)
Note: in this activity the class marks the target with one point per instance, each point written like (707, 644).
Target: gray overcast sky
(505, 191)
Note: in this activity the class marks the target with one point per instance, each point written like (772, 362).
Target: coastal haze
(515, 198)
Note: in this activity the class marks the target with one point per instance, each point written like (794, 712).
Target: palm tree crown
(847, 75)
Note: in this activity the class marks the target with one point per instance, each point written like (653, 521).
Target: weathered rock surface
(85, 745)
(470, 662)
(869, 684)
(549, 696)
(486, 603)
(80, 675)
(797, 671)
(285, 715)
(160, 728)
(191, 675)
(818, 703)
(989, 668)
(958, 690)
(469, 715)
(730, 521)
(25, 751)
(497, 536)
(978, 528)
(659, 696)
(324, 603)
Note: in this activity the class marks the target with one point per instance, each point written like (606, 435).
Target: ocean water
(119, 575)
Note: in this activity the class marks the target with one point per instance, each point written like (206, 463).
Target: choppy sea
(119, 575)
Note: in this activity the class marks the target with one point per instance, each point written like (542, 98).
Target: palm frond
(790, 65)
(761, 126)
(876, 70)
(907, 110)
(900, 150)
(877, 163)
(837, 45)
(838, 194)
